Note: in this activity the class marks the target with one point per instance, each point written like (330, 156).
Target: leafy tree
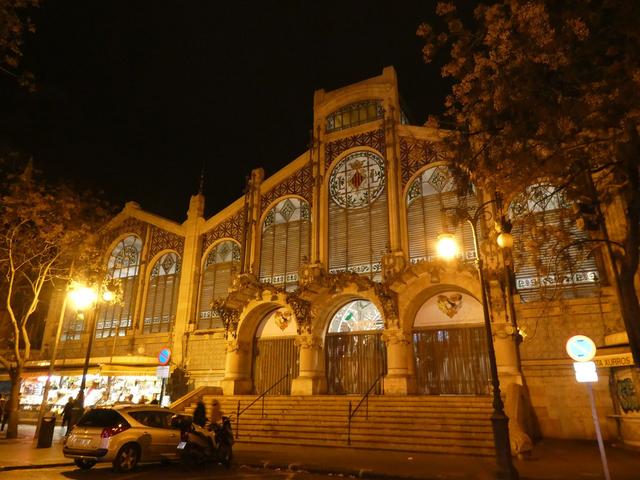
(550, 91)
(44, 227)
(14, 24)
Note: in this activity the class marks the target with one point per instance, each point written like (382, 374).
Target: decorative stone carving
(229, 316)
(373, 139)
(415, 154)
(232, 227)
(393, 264)
(300, 183)
(163, 240)
(312, 273)
(395, 336)
(302, 310)
(130, 225)
(237, 346)
(389, 301)
(307, 340)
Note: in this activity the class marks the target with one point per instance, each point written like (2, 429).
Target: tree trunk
(630, 310)
(15, 374)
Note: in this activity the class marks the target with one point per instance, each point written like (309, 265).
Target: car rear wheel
(127, 458)
(84, 463)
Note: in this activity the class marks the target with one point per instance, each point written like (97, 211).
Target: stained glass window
(358, 217)
(222, 261)
(356, 316)
(428, 197)
(286, 236)
(549, 260)
(124, 264)
(355, 114)
(162, 294)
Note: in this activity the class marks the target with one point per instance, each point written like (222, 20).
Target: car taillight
(108, 432)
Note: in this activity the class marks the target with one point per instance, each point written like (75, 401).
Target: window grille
(355, 114)
(220, 264)
(124, 264)
(162, 295)
(286, 237)
(358, 215)
(545, 266)
(430, 193)
(356, 316)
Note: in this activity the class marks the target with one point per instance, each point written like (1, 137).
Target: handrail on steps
(261, 396)
(352, 412)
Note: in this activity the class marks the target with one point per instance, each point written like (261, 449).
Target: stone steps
(446, 424)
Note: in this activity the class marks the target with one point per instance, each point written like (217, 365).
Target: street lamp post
(85, 299)
(499, 421)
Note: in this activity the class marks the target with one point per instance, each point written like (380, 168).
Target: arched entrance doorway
(450, 346)
(356, 354)
(275, 353)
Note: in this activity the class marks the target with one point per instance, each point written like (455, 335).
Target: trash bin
(45, 433)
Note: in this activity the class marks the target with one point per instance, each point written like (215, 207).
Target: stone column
(237, 369)
(398, 378)
(311, 379)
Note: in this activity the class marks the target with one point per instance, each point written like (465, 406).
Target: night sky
(134, 96)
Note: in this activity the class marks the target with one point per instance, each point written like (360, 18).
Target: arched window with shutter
(162, 294)
(358, 217)
(286, 233)
(428, 197)
(123, 265)
(219, 265)
(550, 259)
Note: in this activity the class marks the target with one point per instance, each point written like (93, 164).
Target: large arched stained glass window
(286, 233)
(356, 316)
(550, 261)
(358, 217)
(220, 264)
(162, 294)
(427, 199)
(124, 264)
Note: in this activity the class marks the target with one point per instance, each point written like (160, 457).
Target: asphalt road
(158, 472)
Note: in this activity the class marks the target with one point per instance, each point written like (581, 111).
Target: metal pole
(161, 391)
(596, 423)
(54, 354)
(499, 421)
(87, 357)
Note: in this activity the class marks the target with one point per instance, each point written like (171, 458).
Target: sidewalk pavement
(551, 460)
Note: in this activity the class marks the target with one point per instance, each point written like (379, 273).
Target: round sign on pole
(164, 356)
(581, 348)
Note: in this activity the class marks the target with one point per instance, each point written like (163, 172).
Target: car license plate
(181, 445)
(81, 442)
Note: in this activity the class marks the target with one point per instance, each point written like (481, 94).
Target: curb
(33, 467)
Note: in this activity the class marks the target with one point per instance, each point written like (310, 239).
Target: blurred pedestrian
(5, 413)
(200, 414)
(3, 406)
(154, 400)
(66, 414)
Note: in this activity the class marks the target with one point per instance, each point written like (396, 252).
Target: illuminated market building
(328, 269)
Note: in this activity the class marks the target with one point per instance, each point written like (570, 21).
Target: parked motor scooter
(199, 446)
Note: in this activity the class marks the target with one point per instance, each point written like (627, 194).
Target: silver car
(123, 435)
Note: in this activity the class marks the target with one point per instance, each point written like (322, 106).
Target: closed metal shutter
(452, 361)
(272, 358)
(221, 262)
(354, 362)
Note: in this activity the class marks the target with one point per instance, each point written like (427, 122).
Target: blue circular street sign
(164, 356)
(581, 348)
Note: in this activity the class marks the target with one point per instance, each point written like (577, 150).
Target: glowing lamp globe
(108, 296)
(505, 240)
(447, 246)
(83, 297)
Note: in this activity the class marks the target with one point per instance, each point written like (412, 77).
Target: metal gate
(452, 361)
(272, 358)
(354, 362)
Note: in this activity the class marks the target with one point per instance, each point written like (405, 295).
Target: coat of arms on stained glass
(357, 180)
